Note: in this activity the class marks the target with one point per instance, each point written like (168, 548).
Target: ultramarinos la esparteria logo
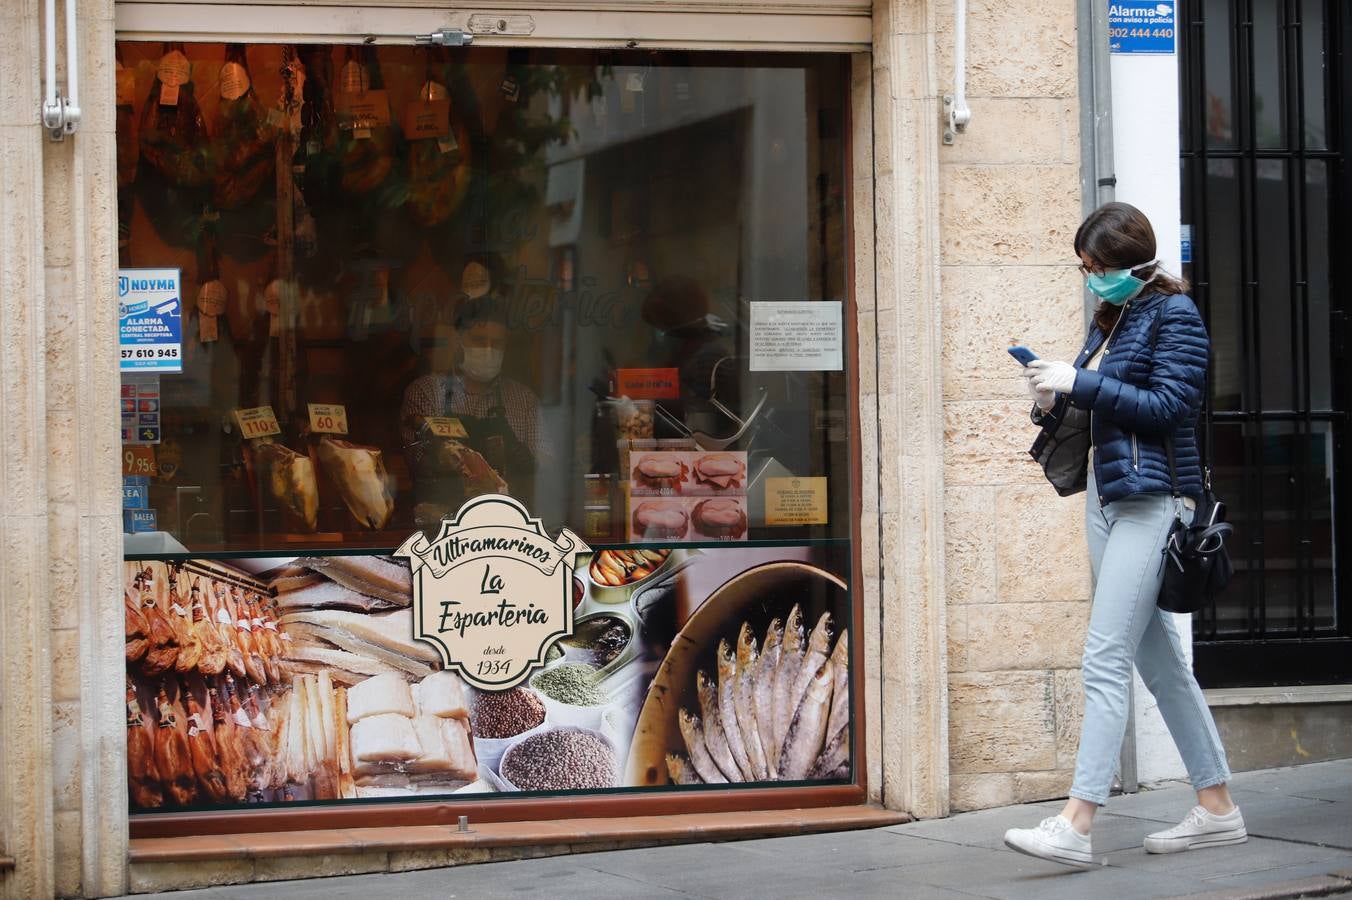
(492, 590)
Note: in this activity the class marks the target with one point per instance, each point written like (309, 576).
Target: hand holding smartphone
(1022, 354)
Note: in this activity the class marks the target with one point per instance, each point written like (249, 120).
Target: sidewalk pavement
(1300, 845)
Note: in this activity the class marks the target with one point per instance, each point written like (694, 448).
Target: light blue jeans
(1126, 540)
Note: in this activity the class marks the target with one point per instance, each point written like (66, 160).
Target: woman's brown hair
(1119, 236)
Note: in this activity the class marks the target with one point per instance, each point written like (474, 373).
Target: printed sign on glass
(150, 318)
(492, 590)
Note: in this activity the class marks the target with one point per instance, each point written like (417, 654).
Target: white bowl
(507, 782)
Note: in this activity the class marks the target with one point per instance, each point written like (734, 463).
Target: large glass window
(611, 285)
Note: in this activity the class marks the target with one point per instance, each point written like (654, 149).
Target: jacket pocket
(1135, 453)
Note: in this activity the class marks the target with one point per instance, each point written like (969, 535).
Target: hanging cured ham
(360, 476)
(366, 141)
(438, 154)
(229, 747)
(173, 757)
(180, 614)
(202, 748)
(135, 627)
(162, 650)
(143, 774)
(214, 654)
(246, 161)
(288, 478)
(175, 150)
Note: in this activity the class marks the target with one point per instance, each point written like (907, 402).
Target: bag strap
(1168, 438)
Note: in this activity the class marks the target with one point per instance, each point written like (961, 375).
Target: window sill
(1283, 696)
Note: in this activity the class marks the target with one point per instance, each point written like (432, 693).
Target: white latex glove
(1052, 376)
(1045, 400)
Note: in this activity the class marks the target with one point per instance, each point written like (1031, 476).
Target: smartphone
(1022, 354)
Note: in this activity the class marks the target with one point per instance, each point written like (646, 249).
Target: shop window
(363, 285)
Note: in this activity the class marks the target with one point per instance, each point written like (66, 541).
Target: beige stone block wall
(1017, 575)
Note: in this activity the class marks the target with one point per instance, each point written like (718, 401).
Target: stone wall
(62, 787)
(1017, 574)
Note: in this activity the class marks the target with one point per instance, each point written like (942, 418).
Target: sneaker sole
(1201, 842)
(1052, 854)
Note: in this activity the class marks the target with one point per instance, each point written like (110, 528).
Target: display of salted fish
(293, 578)
(714, 739)
(748, 658)
(330, 595)
(680, 770)
(347, 787)
(840, 688)
(348, 668)
(790, 661)
(763, 694)
(804, 740)
(359, 474)
(818, 649)
(727, 707)
(386, 637)
(693, 734)
(835, 755)
(288, 477)
(373, 576)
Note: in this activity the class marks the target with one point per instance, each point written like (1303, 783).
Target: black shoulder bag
(1196, 561)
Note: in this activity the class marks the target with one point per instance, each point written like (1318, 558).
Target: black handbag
(1196, 561)
(1062, 447)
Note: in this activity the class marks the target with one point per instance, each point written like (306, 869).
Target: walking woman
(1135, 395)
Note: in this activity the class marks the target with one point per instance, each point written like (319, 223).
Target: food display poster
(797, 336)
(150, 319)
(253, 683)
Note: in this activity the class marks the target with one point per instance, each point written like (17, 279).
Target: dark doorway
(1266, 108)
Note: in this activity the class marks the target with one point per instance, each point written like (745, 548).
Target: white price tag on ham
(328, 418)
(257, 422)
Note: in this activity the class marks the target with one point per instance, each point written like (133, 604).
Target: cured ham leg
(143, 774)
(180, 616)
(202, 748)
(360, 476)
(173, 757)
(162, 651)
(214, 654)
(289, 478)
(224, 621)
(229, 748)
(253, 660)
(135, 627)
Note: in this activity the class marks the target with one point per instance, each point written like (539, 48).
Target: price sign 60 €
(328, 418)
(257, 422)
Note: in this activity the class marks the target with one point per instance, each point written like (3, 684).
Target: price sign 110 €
(257, 422)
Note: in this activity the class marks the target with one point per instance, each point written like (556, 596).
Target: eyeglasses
(1086, 271)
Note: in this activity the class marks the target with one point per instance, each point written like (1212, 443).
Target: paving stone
(857, 851)
(1006, 875)
(1255, 855)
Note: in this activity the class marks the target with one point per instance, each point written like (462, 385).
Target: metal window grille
(1266, 109)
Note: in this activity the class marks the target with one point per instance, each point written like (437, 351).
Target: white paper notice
(796, 336)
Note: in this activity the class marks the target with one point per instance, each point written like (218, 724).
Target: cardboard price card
(139, 460)
(257, 422)
(328, 418)
(796, 501)
(648, 384)
(427, 119)
(446, 427)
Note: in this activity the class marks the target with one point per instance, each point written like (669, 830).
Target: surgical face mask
(482, 363)
(1117, 286)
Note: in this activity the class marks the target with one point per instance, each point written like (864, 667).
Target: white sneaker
(1199, 829)
(1055, 839)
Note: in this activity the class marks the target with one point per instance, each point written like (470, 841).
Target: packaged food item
(633, 418)
(596, 488)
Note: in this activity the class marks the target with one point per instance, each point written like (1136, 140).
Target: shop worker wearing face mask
(1134, 395)
(500, 416)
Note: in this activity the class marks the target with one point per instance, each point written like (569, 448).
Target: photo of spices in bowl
(614, 574)
(560, 759)
(498, 718)
(572, 693)
(755, 686)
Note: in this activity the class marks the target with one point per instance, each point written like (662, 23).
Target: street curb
(1330, 885)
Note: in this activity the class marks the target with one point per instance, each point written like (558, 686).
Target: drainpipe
(1098, 183)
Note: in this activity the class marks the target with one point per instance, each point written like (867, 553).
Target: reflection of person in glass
(689, 338)
(500, 416)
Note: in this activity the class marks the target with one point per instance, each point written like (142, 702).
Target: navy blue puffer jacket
(1140, 395)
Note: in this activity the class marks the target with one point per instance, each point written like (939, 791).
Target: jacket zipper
(1107, 343)
(1135, 454)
